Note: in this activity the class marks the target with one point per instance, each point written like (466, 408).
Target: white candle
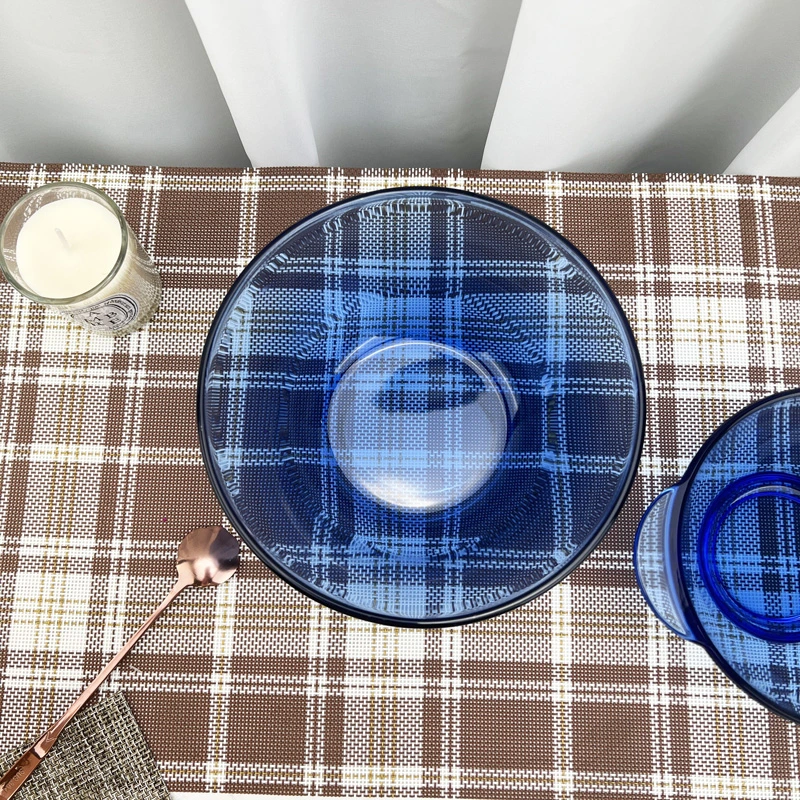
(68, 247)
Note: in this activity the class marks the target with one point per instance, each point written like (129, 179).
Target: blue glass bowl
(717, 556)
(421, 407)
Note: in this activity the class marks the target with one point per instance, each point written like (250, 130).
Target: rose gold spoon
(206, 556)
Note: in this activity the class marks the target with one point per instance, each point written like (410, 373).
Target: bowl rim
(471, 615)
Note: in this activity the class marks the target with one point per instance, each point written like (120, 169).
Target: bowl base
(418, 425)
(749, 548)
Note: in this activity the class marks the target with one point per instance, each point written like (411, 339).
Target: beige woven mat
(255, 689)
(101, 755)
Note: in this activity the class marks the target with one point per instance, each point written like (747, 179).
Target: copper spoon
(206, 556)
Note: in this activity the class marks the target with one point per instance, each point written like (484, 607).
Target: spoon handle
(29, 760)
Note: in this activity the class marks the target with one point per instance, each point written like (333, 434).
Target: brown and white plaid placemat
(254, 688)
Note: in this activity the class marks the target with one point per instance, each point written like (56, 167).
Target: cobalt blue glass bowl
(421, 406)
(717, 556)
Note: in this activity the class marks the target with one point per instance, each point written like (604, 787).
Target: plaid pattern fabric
(412, 422)
(252, 687)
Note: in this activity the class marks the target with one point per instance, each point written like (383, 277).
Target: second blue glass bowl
(421, 406)
(717, 556)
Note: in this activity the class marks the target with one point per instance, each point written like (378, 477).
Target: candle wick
(63, 239)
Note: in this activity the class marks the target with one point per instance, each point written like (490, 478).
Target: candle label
(111, 314)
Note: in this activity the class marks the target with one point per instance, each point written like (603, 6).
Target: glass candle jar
(67, 245)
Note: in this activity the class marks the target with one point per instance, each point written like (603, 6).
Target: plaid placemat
(254, 688)
(101, 755)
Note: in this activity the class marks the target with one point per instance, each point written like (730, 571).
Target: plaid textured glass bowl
(717, 556)
(421, 407)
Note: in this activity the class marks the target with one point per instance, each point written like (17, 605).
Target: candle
(68, 246)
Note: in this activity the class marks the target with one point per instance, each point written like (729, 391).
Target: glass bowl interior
(421, 407)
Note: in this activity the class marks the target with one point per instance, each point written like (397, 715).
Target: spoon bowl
(207, 556)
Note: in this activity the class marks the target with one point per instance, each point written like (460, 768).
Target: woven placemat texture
(101, 755)
(254, 688)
